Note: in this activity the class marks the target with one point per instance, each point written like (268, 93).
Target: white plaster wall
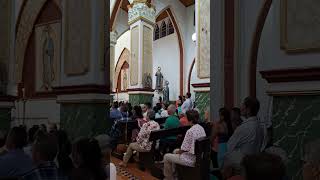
(122, 42)
(121, 25)
(166, 55)
(270, 55)
(40, 111)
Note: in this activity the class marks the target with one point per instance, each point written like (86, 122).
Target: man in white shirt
(249, 136)
(187, 104)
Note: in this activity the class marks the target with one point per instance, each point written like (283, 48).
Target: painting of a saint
(47, 60)
(124, 80)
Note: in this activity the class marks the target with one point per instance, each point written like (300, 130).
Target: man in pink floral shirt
(186, 155)
(142, 144)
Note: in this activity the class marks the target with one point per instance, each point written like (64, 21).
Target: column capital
(141, 10)
(113, 37)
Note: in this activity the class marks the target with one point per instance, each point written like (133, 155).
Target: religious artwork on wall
(159, 80)
(300, 25)
(134, 61)
(77, 37)
(124, 79)
(147, 81)
(203, 39)
(48, 41)
(166, 93)
(147, 60)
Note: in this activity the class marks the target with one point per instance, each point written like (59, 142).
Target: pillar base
(137, 98)
(84, 117)
(202, 100)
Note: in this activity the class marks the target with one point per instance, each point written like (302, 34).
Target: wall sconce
(194, 37)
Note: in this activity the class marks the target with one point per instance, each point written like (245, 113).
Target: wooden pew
(146, 159)
(202, 164)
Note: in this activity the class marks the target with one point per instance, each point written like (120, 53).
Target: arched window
(170, 28)
(156, 32)
(163, 29)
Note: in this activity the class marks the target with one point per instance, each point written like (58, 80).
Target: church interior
(88, 67)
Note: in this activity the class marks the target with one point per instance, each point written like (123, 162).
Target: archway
(27, 17)
(181, 52)
(190, 73)
(123, 59)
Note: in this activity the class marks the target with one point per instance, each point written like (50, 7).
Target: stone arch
(28, 15)
(190, 73)
(264, 11)
(124, 57)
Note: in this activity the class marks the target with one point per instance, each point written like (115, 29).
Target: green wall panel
(84, 119)
(296, 120)
(136, 99)
(202, 100)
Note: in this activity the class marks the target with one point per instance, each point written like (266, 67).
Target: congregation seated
(31, 136)
(114, 112)
(142, 143)
(88, 160)
(44, 151)
(186, 154)
(166, 144)
(137, 116)
(14, 162)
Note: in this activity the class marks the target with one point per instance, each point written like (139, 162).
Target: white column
(141, 18)
(113, 42)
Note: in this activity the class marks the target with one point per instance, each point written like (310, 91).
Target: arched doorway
(122, 68)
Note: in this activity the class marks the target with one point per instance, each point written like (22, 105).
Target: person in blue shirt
(114, 112)
(15, 162)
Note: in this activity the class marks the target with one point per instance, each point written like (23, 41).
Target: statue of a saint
(166, 93)
(125, 80)
(159, 80)
(48, 55)
(147, 81)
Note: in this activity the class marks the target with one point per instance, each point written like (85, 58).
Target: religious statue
(147, 81)
(166, 93)
(48, 55)
(125, 80)
(159, 80)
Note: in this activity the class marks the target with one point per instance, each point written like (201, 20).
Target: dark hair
(64, 146)
(253, 104)
(46, 144)
(151, 115)
(18, 137)
(92, 157)
(31, 133)
(236, 110)
(188, 95)
(138, 112)
(227, 119)
(148, 105)
(115, 104)
(193, 116)
(263, 166)
(180, 98)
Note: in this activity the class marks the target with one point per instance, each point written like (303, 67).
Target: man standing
(249, 136)
(187, 104)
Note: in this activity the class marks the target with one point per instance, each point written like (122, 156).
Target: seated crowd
(238, 146)
(241, 148)
(41, 154)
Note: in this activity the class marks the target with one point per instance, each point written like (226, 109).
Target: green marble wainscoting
(5, 118)
(202, 100)
(84, 119)
(296, 121)
(136, 99)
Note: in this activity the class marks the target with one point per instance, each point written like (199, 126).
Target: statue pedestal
(140, 97)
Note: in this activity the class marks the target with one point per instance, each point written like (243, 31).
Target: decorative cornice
(140, 10)
(81, 89)
(7, 98)
(140, 89)
(200, 85)
(291, 75)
